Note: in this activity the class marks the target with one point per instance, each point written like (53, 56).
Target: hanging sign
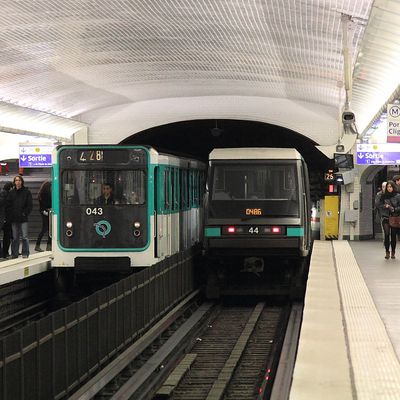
(393, 123)
(34, 155)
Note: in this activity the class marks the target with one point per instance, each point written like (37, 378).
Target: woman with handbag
(388, 205)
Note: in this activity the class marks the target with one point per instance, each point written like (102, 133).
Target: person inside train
(387, 204)
(107, 196)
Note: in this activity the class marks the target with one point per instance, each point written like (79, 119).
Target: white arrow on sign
(360, 155)
(23, 158)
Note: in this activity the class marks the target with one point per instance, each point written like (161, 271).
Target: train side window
(183, 188)
(174, 189)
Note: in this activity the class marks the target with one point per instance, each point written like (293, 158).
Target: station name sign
(393, 123)
(35, 155)
(378, 154)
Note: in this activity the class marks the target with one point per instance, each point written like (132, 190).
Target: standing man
(3, 200)
(396, 180)
(7, 233)
(18, 208)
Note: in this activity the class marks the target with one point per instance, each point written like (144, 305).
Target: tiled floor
(383, 280)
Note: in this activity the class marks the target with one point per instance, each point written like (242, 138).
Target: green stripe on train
(294, 231)
(210, 232)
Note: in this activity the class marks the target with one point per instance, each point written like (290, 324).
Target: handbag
(394, 221)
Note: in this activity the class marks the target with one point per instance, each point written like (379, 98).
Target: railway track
(198, 351)
(235, 355)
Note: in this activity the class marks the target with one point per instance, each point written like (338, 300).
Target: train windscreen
(103, 187)
(271, 188)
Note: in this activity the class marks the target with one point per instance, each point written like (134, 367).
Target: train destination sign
(35, 155)
(378, 154)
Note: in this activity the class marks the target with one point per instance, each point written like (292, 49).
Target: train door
(183, 220)
(162, 206)
(174, 214)
(156, 213)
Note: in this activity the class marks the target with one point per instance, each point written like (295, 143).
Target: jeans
(17, 229)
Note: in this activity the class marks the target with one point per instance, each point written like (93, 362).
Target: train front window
(82, 188)
(274, 186)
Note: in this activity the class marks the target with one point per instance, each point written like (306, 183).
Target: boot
(393, 255)
(387, 255)
(37, 248)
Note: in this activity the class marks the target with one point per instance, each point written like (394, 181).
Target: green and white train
(121, 207)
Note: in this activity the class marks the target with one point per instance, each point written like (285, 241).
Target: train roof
(255, 153)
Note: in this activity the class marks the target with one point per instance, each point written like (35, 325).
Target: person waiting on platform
(387, 204)
(3, 200)
(396, 180)
(107, 196)
(18, 208)
(44, 197)
(7, 232)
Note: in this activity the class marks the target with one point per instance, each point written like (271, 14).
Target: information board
(35, 155)
(378, 154)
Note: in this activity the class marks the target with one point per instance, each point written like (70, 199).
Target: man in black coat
(107, 196)
(5, 224)
(18, 208)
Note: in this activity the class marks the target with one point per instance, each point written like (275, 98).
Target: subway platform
(349, 345)
(20, 268)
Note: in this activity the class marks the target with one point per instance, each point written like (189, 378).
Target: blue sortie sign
(378, 158)
(34, 156)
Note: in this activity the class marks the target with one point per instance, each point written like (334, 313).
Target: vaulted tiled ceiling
(77, 58)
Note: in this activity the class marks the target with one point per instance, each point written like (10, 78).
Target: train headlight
(69, 224)
(136, 224)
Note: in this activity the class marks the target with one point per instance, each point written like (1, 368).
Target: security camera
(348, 118)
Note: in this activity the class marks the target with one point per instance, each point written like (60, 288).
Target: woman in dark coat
(18, 208)
(44, 197)
(387, 204)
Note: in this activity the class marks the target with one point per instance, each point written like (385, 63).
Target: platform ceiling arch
(82, 59)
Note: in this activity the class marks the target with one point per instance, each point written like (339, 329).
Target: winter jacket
(45, 202)
(393, 201)
(3, 203)
(19, 205)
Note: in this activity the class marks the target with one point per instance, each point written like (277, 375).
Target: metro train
(120, 207)
(257, 208)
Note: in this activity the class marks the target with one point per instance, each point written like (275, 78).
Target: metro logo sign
(393, 123)
(35, 155)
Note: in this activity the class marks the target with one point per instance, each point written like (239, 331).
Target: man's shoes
(25, 255)
(37, 248)
(387, 255)
(393, 255)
